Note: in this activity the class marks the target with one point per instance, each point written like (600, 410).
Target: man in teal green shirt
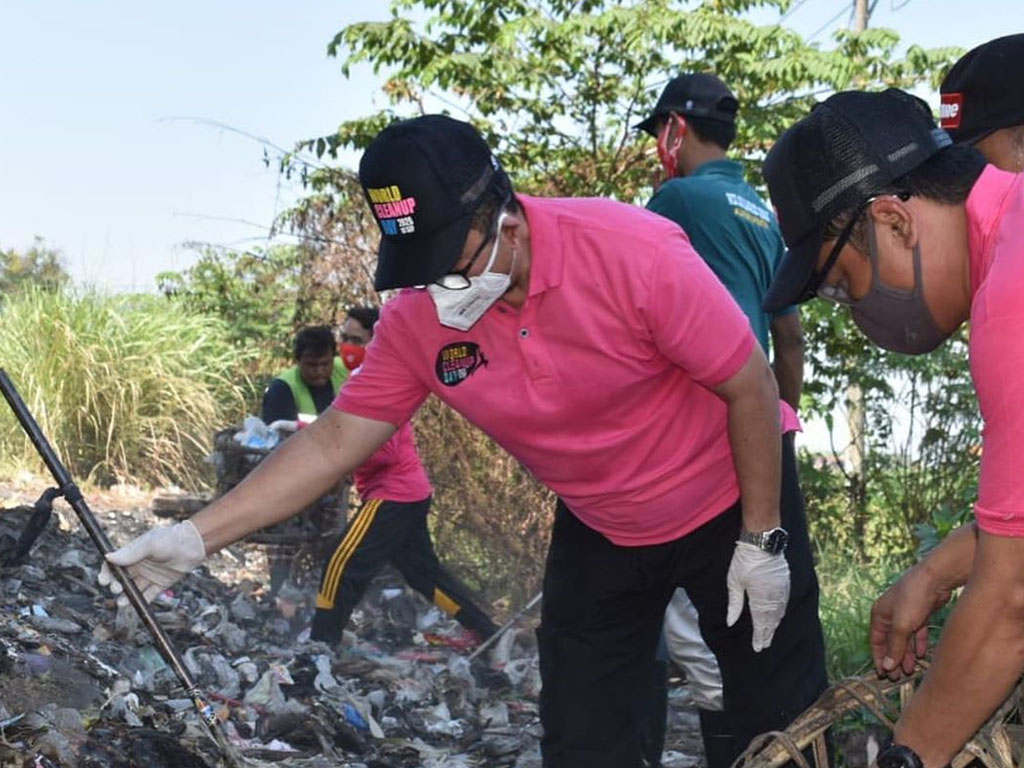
(728, 223)
(738, 236)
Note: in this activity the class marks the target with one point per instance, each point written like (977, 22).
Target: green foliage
(265, 296)
(39, 267)
(125, 387)
(920, 438)
(848, 588)
(555, 86)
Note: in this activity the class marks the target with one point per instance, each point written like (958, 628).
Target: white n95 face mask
(462, 308)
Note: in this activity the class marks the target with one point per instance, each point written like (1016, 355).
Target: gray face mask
(896, 320)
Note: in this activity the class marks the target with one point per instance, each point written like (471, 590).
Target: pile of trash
(81, 683)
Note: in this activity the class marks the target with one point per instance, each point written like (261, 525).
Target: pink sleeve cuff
(730, 364)
(1009, 524)
(395, 416)
(789, 418)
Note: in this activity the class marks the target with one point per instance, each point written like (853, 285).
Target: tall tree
(556, 85)
(40, 266)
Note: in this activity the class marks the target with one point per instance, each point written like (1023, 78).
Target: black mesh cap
(423, 178)
(984, 91)
(850, 147)
(693, 95)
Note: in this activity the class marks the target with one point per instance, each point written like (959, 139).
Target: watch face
(775, 541)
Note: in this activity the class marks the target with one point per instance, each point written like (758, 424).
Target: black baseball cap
(850, 147)
(693, 95)
(984, 91)
(423, 179)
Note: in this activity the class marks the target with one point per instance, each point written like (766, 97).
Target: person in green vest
(310, 385)
(300, 393)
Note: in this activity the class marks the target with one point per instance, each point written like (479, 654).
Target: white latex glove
(156, 559)
(764, 578)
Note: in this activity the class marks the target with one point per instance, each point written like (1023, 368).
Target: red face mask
(670, 139)
(352, 355)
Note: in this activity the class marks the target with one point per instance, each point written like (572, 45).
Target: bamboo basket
(997, 744)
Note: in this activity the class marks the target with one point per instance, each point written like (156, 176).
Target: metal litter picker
(67, 488)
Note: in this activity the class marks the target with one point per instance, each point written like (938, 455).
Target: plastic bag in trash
(256, 434)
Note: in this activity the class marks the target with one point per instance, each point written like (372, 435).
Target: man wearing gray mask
(916, 235)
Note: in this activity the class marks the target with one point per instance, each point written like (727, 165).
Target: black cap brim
(647, 126)
(423, 260)
(791, 284)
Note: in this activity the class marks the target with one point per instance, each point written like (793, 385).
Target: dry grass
(125, 387)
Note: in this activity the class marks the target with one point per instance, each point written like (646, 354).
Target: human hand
(156, 559)
(763, 578)
(898, 634)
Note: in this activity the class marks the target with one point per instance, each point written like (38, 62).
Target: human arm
(300, 471)
(899, 632)
(292, 477)
(752, 399)
(788, 356)
(979, 659)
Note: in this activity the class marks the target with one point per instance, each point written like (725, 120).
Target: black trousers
(396, 532)
(601, 619)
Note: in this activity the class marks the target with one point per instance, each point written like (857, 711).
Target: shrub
(125, 387)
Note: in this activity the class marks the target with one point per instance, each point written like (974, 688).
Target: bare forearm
(755, 438)
(789, 375)
(979, 659)
(949, 564)
(788, 356)
(756, 444)
(302, 470)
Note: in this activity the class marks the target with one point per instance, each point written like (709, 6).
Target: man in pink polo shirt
(391, 525)
(591, 341)
(882, 213)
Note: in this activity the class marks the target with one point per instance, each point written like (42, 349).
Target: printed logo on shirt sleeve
(457, 362)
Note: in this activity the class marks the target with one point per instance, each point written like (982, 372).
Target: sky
(111, 145)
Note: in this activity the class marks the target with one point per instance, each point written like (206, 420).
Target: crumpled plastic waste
(384, 696)
(255, 434)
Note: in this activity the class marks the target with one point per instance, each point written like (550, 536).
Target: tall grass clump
(849, 588)
(128, 388)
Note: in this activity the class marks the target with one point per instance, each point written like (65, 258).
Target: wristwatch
(773, 541)
(898, 756)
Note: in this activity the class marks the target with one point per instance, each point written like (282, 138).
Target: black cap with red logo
(984, 91)
(423, 179)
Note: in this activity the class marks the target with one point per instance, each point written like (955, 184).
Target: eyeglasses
(459, 280)
(838, 293)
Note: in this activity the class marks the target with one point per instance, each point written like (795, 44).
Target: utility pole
(862, 13)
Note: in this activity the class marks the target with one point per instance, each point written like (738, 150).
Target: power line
(828, 23)
(792, 9)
